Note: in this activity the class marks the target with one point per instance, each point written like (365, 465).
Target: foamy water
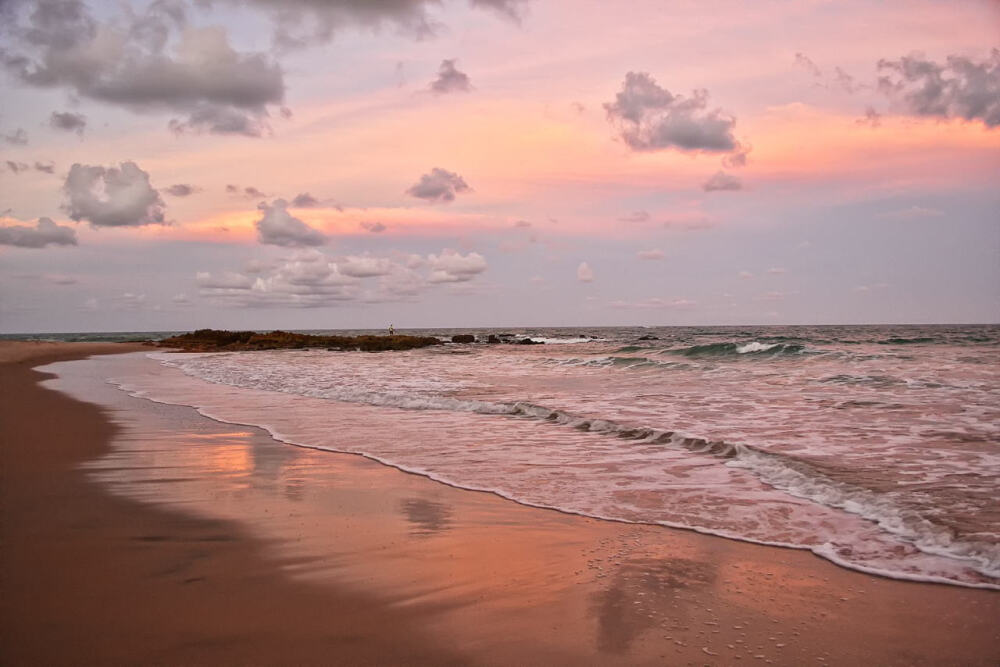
(877, 448)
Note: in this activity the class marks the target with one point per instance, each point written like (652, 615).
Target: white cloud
(279, 227)
(584, 273)
(45, 232)
(113, 197)
(451, 266)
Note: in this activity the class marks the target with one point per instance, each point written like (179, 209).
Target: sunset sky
(351, 163)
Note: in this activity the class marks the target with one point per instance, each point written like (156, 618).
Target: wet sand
(149, 534)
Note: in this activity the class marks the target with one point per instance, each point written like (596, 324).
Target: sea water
(875, 447)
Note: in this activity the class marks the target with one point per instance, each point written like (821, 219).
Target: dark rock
(528, 341)
(463, 338)
(493, 340)
(649, 338)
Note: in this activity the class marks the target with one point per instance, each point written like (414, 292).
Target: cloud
(110, 197)
(635, 216)
(182, 190)
(147, 61)
(450, 80)
(305, 200)
(650, 254)
(721, 182)
(16, 167)
(373, 227)
(872, 118)
(438, 185)
(451, 266)
(364, 266)
(806, 63)
(958, 88)
(309, 279)
(299, 23)
(249, 192)
(18, 137)
(45, 168)
(68, 121)
(180, 300)
(745, 275)
(45, 232)
(279, 227)
(522, 223)
(584, 273)
(651, 118)
(512, 9)
(776, 271)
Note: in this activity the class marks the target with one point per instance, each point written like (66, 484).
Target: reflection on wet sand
(428, 517)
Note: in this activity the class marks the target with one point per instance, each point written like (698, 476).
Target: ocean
(876, 447)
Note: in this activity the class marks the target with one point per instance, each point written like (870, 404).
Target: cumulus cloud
(151, 60)
(279, 227)
(18, 137)
(450, 80)
(68, 121)
(651, 118)
(310, 278)
(584, 273)
(45, 167)
(451, 266)
(721, 182)
(511, 9)
(365, 266)
(872, 118)
(958, 88)
(16, 167)
(45, 232)
(650, 254)
(438, 185)
(182, 190)
(373, 227)
(113, 197)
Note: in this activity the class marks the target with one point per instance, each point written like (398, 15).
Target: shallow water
(875, 447)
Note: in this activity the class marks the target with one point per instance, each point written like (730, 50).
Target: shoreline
(78, 561)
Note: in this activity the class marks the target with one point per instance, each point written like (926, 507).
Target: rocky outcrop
(215, 340)
(463, 338)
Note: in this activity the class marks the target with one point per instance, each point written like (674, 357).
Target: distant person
(392, 331)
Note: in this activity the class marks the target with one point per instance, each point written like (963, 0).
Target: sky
(325, 164)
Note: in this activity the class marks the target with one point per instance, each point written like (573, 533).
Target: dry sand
(290, 556)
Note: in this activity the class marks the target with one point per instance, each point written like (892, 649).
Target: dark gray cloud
(373, 227)
(651, 118)
(511, 9)
(721, 182)
(279, 227)
(113, 197)
(68, 121)
(450, 80)
(16, 167)
(182, 190)
(45, 232)
(146, 61)
(299, 23)
(438, 185)
(248, 192)
(958, 88)
(305, 200)
(45, 168)
(18, 137)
